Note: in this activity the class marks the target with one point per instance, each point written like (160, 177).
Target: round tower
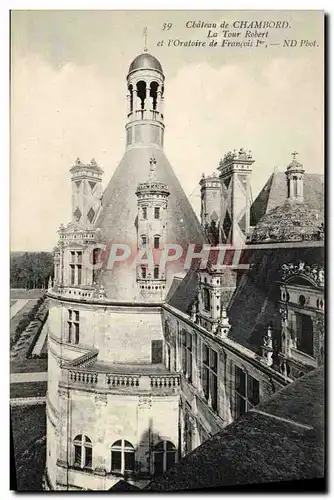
(151, 235)
(112, 401)
(145, 83)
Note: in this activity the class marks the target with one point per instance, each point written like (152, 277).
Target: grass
(28, 426)
(17, 318)
(21, 293)
(23, 365)
(28, 389)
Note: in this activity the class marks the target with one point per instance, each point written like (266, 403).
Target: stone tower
(152, 229)
(112, 401)
(211, 206)
(144, 140)
(235, 174)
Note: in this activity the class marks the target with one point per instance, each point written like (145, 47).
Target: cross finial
(294, 154)
(145, 39)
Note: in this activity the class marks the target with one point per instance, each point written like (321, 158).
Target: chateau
(147, 360)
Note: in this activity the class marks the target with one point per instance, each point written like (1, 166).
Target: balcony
(122, 379)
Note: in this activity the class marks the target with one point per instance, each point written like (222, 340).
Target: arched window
(141, 93)
(153, 94)
(164, 454)
(122, 457)
(206, 299)
(83, 451)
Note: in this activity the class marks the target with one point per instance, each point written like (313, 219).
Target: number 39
(167, 26)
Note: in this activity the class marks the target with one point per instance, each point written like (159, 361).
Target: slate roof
(279, 444)
(292, 221)
(274, 194)
(254, 303)
(118, 217)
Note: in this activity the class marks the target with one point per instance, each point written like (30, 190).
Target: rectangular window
(187, 355)
(247, 392)
(79, 267)
(73, 327)
(77, 455)
(88, 457)
(156, 241)
(156, 351)
(158, 463)
(129, 461)
(156, 272)
(157, 212)
(116, 460)
(143, 241)
(170, 459)
(209, 375)
(77, 337)
(72, 278)
(304, 326)
(143, 272)
(73, 257)
(79, 257)
(69, 331)
(144, 212)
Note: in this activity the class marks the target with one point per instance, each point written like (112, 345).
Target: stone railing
(156, 384)
(84, 360)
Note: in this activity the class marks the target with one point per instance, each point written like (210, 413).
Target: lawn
(23, 365)
(28, 428)
(28, 389)
(21, 293)
(17, 318)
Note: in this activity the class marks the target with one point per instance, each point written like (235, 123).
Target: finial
(294, 154)
(145, 38)
(153, 163)
(93, 162)
(77, 161)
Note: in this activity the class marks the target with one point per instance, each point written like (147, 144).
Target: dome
(292, 221)
(146, 61)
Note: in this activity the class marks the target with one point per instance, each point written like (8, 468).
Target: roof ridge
(282, 419)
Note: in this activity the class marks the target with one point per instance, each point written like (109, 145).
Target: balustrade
(123, 382)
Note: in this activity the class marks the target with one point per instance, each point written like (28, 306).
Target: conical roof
(118, 217)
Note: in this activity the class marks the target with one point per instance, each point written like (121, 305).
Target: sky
(68, 100)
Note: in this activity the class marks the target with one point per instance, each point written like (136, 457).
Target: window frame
(244, 399)
(210, 375)
(165, 451)
(124, 449)
(157, 213)
(73, 323)
(187, 355)
(82, 443)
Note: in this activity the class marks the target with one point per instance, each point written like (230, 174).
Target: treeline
(30, 269)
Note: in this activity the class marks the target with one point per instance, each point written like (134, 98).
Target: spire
(145, 39)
